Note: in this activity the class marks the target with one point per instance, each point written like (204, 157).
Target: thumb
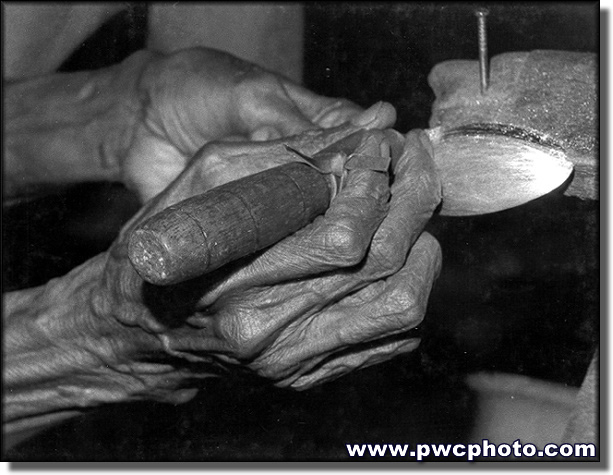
(330, 112)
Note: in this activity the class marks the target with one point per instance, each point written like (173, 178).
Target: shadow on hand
(172, 305)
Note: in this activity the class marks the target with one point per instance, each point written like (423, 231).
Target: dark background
(519, 292)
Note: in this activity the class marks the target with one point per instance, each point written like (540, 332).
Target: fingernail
(368, 116)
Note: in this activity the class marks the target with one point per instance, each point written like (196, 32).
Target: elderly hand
(142, 120)
(340, 294)
(198, 95)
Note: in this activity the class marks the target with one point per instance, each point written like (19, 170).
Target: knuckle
(255, 83)
(413, 305)
(409, 302)
(242, 335)
(389, 256)
(428, 242)
(408, 309)
(346, 244)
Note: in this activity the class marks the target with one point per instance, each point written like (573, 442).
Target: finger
(383, 309)
(274, 109)
(331, 112)
(338, 366)
(220, 162)
(337, 113)
(415, 194)
(394, 304)
(338, 239)
(310, 139)
(321, 110)
(285, 321)
(379, 116)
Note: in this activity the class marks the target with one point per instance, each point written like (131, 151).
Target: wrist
(59, 358)
(72, 127)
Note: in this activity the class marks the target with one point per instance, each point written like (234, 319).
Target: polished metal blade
(488, 172)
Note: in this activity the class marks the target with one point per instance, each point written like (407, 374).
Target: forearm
(70, 127)
(58, 358)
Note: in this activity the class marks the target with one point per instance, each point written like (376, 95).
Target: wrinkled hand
(198, 95)
(340, 294)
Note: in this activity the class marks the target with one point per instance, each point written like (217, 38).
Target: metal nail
(481, 13)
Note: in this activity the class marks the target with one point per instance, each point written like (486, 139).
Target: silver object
(481, 15)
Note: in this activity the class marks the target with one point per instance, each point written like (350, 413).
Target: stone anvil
(544, 96)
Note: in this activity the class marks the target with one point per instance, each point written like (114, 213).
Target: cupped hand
(194, 96)
(340, 294)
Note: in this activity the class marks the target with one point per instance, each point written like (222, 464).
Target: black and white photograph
(300, 234)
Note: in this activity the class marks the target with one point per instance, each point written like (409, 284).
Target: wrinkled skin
(142, 120)
(197, 95)
(340, 294)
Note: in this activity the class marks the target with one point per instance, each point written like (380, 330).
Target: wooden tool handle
(202, 233)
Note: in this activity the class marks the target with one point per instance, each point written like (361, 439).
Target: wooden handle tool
(234, 220)
(481, 172)
(204, 232)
